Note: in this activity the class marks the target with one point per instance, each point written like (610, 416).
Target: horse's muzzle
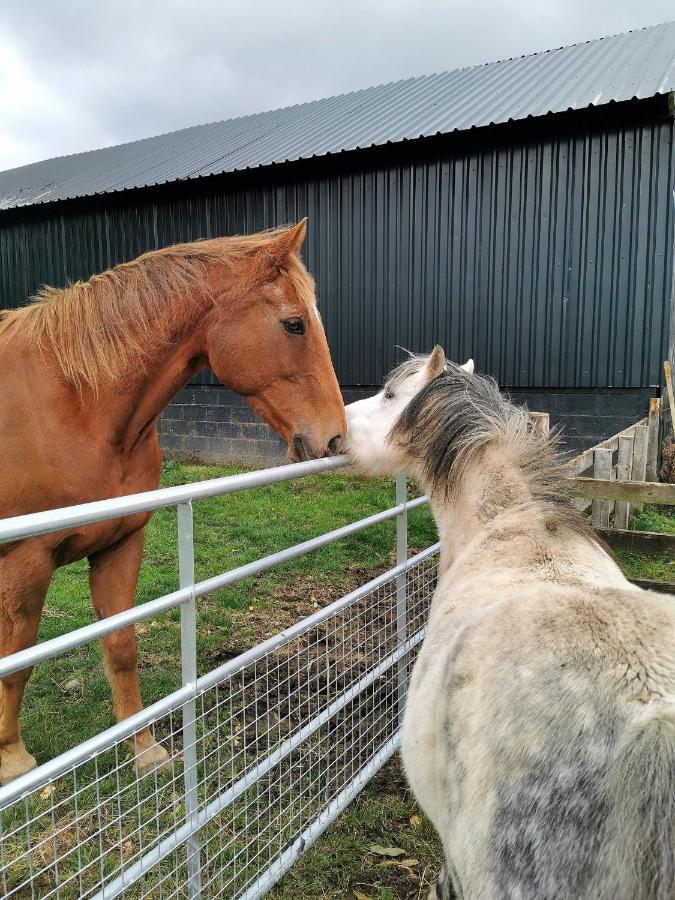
(302, 447)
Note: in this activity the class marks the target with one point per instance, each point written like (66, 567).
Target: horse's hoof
(149, 758)
(14, 762)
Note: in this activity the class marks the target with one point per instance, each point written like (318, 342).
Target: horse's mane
(98, 329)
(456, 415)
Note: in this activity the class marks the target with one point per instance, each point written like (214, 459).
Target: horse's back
(529, 700)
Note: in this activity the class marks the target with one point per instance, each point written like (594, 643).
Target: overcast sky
(80, 74)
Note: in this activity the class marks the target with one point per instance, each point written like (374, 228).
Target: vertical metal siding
(547, 260)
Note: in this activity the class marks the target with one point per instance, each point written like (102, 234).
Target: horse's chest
(91, 539)
(115, 477)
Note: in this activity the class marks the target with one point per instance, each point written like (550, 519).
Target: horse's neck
(146, 393)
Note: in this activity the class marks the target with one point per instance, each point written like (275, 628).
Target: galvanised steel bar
(259, 770)
(55, 767)
(188, 833)
(72, 639)
(313, 832)
(48, 649)
(401, 586)
(18, 527)
(188, 650)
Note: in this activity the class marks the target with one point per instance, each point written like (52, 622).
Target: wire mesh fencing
(264, 752)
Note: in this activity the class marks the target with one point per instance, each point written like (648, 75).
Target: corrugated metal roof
(635, 65)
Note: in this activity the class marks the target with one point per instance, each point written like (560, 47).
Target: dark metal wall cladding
(548, 260)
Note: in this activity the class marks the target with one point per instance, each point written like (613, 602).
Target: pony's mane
(457, 415)
(98, 329)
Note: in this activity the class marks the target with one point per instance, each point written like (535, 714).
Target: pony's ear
(290, 241)
(435, 364)
(468, 366)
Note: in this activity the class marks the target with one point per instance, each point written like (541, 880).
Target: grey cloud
(128, 70)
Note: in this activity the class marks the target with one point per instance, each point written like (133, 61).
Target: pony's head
(372, 423)
(274, 351)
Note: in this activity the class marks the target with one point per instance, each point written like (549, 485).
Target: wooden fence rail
(614, 489)
(630, 491)
(636, 451)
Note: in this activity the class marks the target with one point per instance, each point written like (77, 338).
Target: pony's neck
(491, 521)
(491, 484)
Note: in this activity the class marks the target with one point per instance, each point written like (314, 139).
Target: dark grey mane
(456, 415)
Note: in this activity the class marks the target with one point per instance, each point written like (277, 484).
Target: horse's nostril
(334, 444)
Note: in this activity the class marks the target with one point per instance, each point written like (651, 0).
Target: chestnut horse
(87, 370)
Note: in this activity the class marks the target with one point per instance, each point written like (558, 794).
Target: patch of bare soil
(292, 602)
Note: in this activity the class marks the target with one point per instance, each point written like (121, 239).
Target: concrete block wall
(208, 424)
(588, 416)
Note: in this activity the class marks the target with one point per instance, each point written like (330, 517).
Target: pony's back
(558, 742)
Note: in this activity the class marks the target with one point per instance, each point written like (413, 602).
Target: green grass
(229, 531)
(342, 864)
(658, 567)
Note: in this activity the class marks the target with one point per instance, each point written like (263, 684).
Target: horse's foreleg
(24, 578)
(113, 575)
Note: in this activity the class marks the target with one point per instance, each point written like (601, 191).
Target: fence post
(188, 643)
(401, 587)
(541, 423)
(639, 470)
(653, 439)
(602, 468)
(623, 473)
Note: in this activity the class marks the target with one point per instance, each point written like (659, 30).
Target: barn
(520, 212)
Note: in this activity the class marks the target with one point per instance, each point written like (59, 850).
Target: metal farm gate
(266, 750)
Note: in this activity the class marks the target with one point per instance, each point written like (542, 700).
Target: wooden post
(602, 468)
(541, 422)
(669, 388)
(623, 473)
(653, 439)
(639, 470)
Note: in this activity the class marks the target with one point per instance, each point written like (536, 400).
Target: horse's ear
(468, 366)
(435, 364)
(290, 241)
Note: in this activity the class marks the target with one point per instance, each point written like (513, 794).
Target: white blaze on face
(369, 422)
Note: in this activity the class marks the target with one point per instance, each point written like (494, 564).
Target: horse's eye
(294, 326)
(388, 394)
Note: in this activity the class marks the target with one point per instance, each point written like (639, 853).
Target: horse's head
(265, 340)
(371, 421)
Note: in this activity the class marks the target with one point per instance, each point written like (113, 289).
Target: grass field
(229, 531)
(68, 699)
(659, 567)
